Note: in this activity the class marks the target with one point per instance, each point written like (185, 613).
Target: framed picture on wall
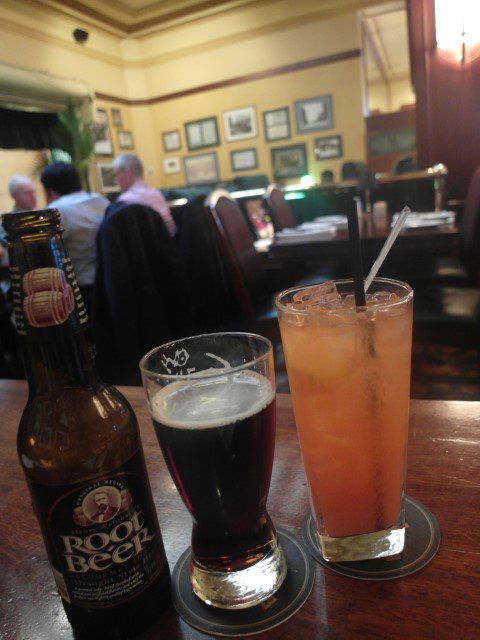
(277, 124)
(101, 133)
(171, 140)
(125, 139)
(289, 162)
(106, 178)
(117, 118)
(240, 124)
(328, 147)
(201, 133)
(244, 159)
(314, 114)
(171, 165)
(201, 169)
(382, 143)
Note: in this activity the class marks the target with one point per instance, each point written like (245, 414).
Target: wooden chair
(254, 284)
(470, 229)
(280, 210)
(244, 265)
(462, 268)
(213, 302)
(447, 304)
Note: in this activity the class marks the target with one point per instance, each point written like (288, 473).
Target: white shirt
(81, 215)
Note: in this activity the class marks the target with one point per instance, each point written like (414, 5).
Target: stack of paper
(417, 220)
(300, 234)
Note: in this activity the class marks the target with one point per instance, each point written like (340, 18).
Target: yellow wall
(340, 79)
(392, 98)
(246, 40)
(241, 54)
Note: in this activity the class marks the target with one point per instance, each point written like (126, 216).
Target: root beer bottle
(79, 446)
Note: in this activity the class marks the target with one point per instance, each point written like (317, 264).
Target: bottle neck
(50, 315)
(63, 360)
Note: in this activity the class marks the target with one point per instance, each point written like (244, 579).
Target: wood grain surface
(440, 601)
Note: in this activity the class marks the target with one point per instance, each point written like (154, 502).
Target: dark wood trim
(177, 14)
(251, 77)
(131, 28)
(109, 98)
(90, 12)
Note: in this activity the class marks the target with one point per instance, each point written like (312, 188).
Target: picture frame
(380, 143)
(201, 169)
(101, 133)
(244, 159)
(240, 124)
(125, 139)
(171, 165)
(290, 161)
(276, 124)
(171, 140)
(201, 134)
(314, 114)
(116, 117)
(106, 178)
(328, 147)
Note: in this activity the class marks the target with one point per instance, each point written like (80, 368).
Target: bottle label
(46, 297)
(103, 539)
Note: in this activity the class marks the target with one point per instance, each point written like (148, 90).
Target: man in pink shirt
(128, 170)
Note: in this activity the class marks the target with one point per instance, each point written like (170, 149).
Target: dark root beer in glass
(212, 402)
(79, 446)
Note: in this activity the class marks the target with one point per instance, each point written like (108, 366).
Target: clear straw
(387, 246)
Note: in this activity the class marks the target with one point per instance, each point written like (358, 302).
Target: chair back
(408, 164)
(280, 210)
(352, 170)
(470, 226)
(236, 245)
(326, 177)
(213, 302)
(141, 295)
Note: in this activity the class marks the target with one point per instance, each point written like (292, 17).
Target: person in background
(24, 196)
(129, 176)
(81, 215)
(23, 192)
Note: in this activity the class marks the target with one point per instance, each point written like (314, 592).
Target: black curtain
(28, 130)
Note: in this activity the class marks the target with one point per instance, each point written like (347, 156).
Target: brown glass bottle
(79, 446)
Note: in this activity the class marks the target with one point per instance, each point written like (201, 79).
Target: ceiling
(130, 17)
(385, 37)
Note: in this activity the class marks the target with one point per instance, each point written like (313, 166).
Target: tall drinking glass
(349, 374)
(212, 402)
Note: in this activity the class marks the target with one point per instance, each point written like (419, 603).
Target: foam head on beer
(211, 402)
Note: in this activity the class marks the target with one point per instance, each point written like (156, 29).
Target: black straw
(356, 257)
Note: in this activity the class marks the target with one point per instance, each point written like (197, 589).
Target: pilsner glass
(349, 374)
(212, 402)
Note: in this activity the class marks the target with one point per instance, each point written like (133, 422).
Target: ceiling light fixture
(457, 26)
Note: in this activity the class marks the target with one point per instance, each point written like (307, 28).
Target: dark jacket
(213, 303)
(141, 297)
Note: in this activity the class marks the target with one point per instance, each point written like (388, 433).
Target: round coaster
(422, 539)
(245, 622)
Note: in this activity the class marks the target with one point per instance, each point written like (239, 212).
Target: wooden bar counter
(440, 601)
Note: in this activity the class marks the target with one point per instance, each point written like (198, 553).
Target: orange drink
(349, 374)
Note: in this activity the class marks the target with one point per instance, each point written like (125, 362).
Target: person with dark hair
(81, 215)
